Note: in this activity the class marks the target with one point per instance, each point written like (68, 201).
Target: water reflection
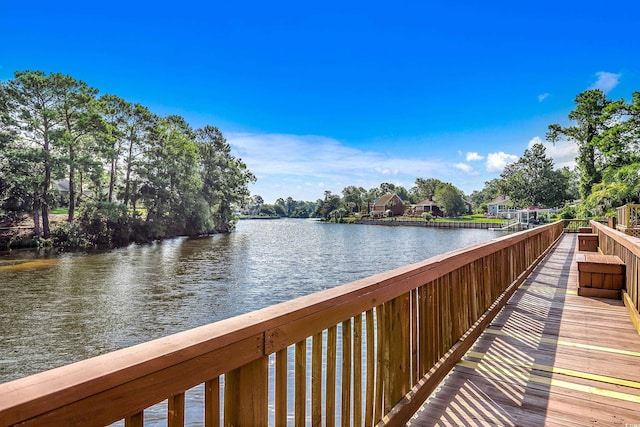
(57, 310)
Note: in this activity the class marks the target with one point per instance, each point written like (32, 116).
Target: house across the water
(501, 207)
(388, 205)
(428, 205)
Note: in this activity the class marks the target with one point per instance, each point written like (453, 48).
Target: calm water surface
(58, 310)
(65, 308)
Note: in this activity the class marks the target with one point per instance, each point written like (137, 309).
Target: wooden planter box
(588, 242)
(585, 230)
(600, 275)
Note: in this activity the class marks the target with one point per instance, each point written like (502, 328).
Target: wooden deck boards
(550, 357)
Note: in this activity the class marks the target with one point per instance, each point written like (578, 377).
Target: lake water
(69, 307)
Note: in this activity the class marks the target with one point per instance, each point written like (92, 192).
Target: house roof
(382, 201)
(500, 200)
(62, 185)
(427, 202)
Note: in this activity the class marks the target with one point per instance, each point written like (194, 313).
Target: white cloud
(563, 153)
(606, 81)
(471, 156)
(281, 162)
(543, 96)
(497, 161)
(316, 156)
(465, 168)
(387, 171)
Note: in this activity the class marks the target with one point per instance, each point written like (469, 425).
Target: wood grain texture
(212, 403)
(246, 394)
(126, 382)
(175, 409)
(507, 378)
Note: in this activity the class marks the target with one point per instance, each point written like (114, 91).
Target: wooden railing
(627, 248)
(629, 215)
(574, 225)
(366, 352)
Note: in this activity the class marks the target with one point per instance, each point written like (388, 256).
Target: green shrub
(568, 212)
(427, 216)
(69, 236)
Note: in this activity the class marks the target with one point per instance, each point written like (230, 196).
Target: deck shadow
(535, 363)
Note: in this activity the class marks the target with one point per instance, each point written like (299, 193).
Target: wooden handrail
(376, 344)
(627, 248)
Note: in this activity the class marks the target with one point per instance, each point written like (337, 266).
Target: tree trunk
(127, 179)
(112, 179)
(46, 184)
(72, 193)
(36, 221)
(80, 189)
(45, 221)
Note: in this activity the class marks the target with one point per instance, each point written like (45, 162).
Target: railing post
(246, 396)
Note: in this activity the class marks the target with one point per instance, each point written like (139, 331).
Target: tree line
(606, 134)
(358, 200)
(130, 174)
(607, 173)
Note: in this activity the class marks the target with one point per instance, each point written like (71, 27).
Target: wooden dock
(550, 357)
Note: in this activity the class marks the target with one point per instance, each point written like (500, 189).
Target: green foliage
(424, 188)
(594, 117)
(568, 212)
(492, 189)
(450, 199)
(104, 223)
(607, 133)
(325, 207)
(113, 152)
(532, 181)
(353, 197)
(268, 210)
(279, 210)
(70, 235)
(427, 216)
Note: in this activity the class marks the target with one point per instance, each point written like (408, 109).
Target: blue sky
(316, 96)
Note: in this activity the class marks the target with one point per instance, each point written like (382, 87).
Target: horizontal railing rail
(574, 225)
(365, 352)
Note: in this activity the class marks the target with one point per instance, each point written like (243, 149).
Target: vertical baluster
(346, 373)
(281, 387)
(357, 370)
(423, 328)
(398, 353)
(316, 380)
(301, 384)
(387, 334)
(379, 362)
(436, 327)
(486, 280)
(447, 318)
(413, 304)
(135, 420)
(330, 392)
(212, 403)
(465, 303)
(368, 419)
(473, 290)
(455, 304)
(246, 394)
(430, 327)
(176, 411)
